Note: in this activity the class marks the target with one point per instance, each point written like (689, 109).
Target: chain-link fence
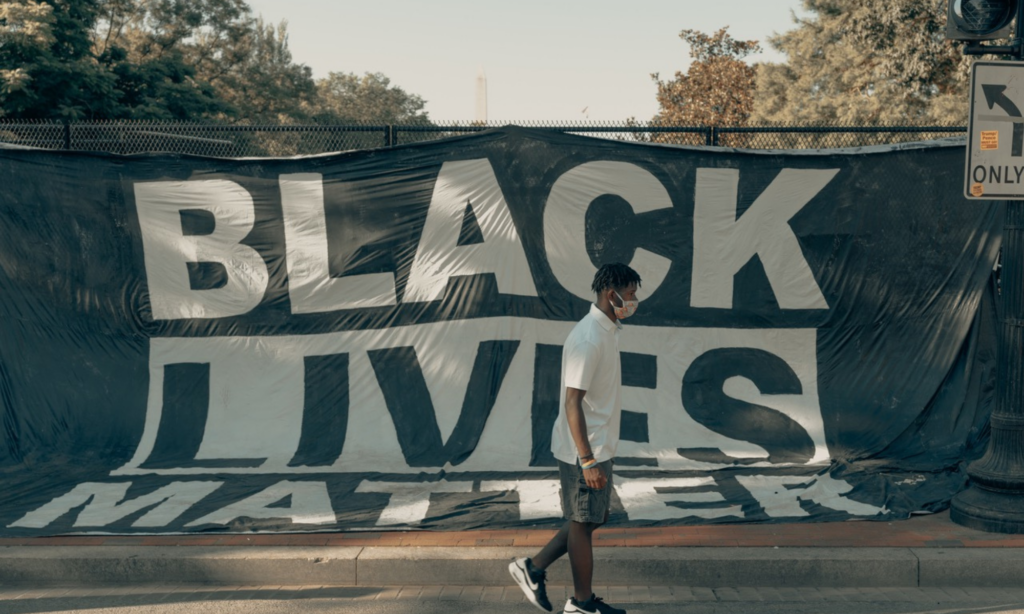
(827, 137)
(237, 140)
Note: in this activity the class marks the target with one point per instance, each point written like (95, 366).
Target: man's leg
(581, 558)
(576, 538)
(554, 550)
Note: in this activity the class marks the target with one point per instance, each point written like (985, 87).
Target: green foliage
(173, 60)
(864, 62)
(46, 67)
(265, 85)
(345, 98)
(717, 89)
(207, 58)
(54, 65)
(160, 88)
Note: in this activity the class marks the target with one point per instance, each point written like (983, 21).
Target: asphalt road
(446, 600)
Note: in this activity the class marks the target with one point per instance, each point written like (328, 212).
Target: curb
(486, 566)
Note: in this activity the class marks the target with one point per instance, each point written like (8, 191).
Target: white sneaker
(532, 585)
(596, 605)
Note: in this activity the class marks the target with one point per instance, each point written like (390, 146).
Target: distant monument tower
(481, 97)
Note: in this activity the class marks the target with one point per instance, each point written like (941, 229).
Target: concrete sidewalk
(927, 551)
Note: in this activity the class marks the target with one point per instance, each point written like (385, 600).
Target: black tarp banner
(372, 339)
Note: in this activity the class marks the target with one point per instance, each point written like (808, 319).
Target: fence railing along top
(245, 140)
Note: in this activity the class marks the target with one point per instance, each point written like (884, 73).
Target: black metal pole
(994, 500)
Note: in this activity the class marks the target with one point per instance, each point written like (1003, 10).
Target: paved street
(447, 599)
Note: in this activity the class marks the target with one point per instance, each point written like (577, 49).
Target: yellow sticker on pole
(989, 140)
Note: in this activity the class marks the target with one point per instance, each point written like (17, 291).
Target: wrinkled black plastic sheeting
(906, 350)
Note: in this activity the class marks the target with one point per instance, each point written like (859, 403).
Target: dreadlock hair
(616, 275)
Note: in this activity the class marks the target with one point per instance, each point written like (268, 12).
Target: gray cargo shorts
(581, 503)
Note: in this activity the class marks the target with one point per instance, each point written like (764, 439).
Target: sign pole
(994, 500)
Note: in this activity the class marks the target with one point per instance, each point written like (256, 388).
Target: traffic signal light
(979, 20)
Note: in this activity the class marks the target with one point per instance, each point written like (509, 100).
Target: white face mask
(628, 307)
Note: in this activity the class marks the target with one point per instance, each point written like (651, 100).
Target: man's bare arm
(578, 427)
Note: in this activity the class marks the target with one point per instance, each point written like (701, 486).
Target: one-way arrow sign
(996, 95)
(995, 145)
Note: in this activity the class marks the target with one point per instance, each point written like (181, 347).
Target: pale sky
(544, 59)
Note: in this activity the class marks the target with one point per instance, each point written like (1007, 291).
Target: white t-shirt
(590, 362)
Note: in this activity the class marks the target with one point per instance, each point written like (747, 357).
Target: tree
(54, 65)
(174, 60)
(717, 89)
(155, 79)
(248, 64)
(347, 97)
(146, 59)
(26, 31)
(865, 62)
(265, 85)
(244, 63)
(47, 69)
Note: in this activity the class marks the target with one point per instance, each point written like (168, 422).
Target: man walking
(584, 439)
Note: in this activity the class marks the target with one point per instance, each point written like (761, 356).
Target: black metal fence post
(67, 134)
(389, 136)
